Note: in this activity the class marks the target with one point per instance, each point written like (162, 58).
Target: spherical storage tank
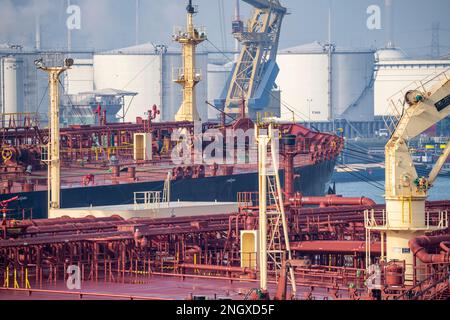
(12, 85)
(305, 80)
(150, 74)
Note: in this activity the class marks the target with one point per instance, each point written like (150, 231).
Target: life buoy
(7, 154)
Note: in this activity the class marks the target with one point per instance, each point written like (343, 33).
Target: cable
(42, 99)
(222, 24)
(139, 73)
(374, 184)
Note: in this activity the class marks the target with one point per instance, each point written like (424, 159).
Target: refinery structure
(89, 181)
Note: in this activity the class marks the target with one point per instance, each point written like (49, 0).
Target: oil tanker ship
(95, 175)
(99, 165)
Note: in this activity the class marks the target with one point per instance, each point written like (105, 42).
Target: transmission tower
(435, 45)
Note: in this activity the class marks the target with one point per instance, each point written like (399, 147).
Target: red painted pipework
(289, 172)
(217, 268)
(331, 201)
(445, 246)
(418, 247)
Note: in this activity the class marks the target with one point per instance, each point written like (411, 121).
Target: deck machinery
(406, 191)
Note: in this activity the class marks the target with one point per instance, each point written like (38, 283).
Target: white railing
(182, 33)
(441, 222)
(147, 200)
(396, 103)
(178, 74)
(433, 220)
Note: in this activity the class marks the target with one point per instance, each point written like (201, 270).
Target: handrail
(435, 284)
(418, 285)
(81, 294)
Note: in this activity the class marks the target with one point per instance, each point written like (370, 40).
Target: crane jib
(442, 104)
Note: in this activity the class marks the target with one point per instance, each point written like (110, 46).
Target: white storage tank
(12, 85)
(218, 75)
(305, 79)
(395, 72)
(142, 70)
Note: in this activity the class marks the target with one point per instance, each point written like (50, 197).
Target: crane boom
(425, 110)
(266, 4)
(406, 191)
(254, 74)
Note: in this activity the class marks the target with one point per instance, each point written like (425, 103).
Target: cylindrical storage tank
(12, 85)
(80, 77)
(305, 81)
(352, 84)
(131, 72)
(139, 69)
(395, 72)
(218, 75)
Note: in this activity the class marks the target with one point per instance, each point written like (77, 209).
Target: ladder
(277, 240)
(166, 191)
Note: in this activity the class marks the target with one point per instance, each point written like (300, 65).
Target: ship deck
(72, 176)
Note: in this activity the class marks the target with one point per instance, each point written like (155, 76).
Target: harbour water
(440, 190)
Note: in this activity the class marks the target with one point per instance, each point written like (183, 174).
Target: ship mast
(188, 76)
(54, 162)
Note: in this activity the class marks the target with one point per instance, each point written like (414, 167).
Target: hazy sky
(108, 24)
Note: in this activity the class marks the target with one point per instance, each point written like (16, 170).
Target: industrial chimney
(38, 32)
(389, 6)
(137, 22)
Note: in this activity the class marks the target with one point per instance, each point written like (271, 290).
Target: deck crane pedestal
(406, 192)
(253, 76)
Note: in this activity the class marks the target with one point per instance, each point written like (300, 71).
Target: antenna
(329, 21)
(137, 22)
(38, 32)
(69, 34)
(190, 8)
(237, 19)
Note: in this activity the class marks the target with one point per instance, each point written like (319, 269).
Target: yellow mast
(54, 162)
(188, 76)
